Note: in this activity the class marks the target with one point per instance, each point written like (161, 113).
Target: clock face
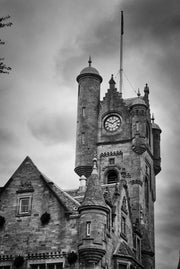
(112, 123)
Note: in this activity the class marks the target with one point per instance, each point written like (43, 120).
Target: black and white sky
(47, 47)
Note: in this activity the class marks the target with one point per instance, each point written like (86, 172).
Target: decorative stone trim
(124, 206)
(45, 255)
(6, 258)
(25, 187)
(111, 153)
(111, 167)
(139, 148)
(136, 181)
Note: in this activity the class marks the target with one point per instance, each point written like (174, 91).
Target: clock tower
(127, 144)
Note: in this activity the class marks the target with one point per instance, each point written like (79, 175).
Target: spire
(112, 82)
(94, 194)
(138, 94)
(146, 89)
(94, 171)
(152, 118)
(90, 61)
(146, 94)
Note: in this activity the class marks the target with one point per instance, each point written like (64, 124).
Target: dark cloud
(52, 128)
(151, 30)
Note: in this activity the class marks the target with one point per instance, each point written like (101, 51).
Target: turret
(92, 222)
(156, 146)
(89, 82)
(139, 125)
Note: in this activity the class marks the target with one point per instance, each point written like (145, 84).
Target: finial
(152, 118)
(146, 88)
(94, 163)
(138, 94)
(112, 82)
(94, 171)
(90, 61)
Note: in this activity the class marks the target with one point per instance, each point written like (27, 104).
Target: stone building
(108, 222)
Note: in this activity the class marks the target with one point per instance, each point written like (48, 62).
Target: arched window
(112, 177)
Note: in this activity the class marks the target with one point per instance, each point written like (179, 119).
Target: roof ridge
(64, 192)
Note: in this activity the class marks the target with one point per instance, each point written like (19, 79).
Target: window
(112, 177)
(137, 126)
(5, 267)
(83, 112)
(122, 266)
(138, 248)
(123, 225)
(38, 266)
(24, 205)
(111, 160)
(54, 265)
(49, 266)
(83, 138)
(88, 228)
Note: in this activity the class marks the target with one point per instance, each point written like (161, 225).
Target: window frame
(112, 160)
(83, 111)
(83, 138)
(88, 228)
(19, 205)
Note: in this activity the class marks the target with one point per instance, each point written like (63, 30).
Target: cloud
(51, 128)
(8, 137)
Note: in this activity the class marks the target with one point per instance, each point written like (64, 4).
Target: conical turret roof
(94, 193)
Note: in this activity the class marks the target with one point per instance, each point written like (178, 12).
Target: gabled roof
(69, 203)
(125, 252)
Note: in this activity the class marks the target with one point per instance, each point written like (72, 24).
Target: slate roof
(65, 198)
(94, 193)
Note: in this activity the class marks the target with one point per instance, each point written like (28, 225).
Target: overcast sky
(47, 47)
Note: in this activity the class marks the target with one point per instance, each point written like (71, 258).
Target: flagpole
(121, 54)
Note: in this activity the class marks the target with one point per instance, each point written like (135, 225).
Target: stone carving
(124, 206)
(136, 181)
(25, 186)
